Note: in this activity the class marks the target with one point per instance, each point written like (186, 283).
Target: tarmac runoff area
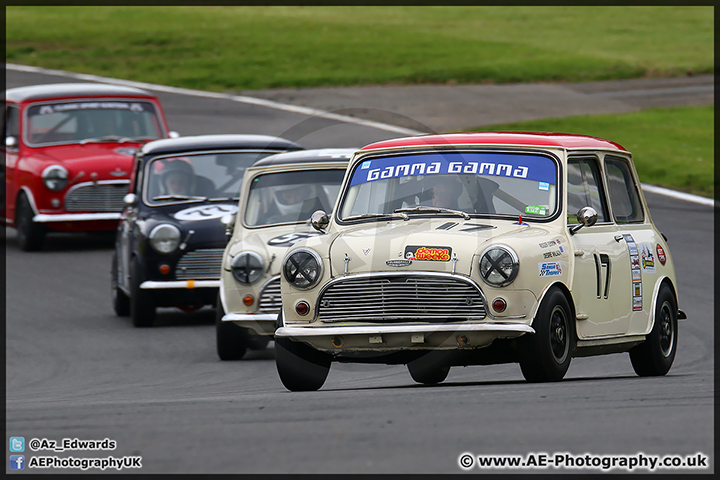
(423, 109)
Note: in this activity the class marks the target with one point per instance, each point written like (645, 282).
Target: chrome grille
(106, 197)
(270, 300)
(403, 297)
(201, 264)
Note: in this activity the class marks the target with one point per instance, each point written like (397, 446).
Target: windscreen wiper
(376, 215)
(423, 209)
(107, 138)
(178, 197)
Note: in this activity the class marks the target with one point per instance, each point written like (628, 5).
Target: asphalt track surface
(75, 370)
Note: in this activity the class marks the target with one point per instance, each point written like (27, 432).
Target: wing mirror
(229, 222)
(11, 142)
(173, 134)
(319, 220)
(587, 217)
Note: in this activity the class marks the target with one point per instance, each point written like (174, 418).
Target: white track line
(296, 109)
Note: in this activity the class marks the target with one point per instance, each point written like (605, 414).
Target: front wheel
(427, 371)
(545, 355)
(120, 301)
(30, 234)
(656, 354)
(231, 340)
(142, 306)
(301, 368)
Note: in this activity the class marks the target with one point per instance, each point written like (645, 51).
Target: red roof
(564, 140)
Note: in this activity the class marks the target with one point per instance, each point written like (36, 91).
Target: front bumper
(260, 323)
(179, 284)
(74, 217)
(388, 338)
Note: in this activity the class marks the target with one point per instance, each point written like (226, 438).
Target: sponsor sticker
(661, 254)
(647, 257)
(543, 186)
(550, 269)
(398, 263)
(365, 165)
(366, 251)
(431, 254)
(635, 271)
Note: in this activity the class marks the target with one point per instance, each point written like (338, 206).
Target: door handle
(618, 238)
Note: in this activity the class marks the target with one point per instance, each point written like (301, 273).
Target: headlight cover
(499, 265)
(165, 238)
(247, 267)
(55, 177)
(303, 268)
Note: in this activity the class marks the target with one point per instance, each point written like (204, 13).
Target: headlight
(247, 267)
(55, 177)
(499, 265)
(303, 268)
(165, 238)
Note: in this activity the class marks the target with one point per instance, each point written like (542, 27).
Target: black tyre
(257, 342)
(30, 235)
(231, 340)
(301, 368)
(142, 306)
(427, 370)
(120, 301)
(656, 354)
(545, 355)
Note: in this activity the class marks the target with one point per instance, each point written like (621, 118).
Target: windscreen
(109, 120)
(291, 197)
(477, 183)
(198, 177)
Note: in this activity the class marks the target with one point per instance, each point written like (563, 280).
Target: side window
(624, 196)
(584, 188)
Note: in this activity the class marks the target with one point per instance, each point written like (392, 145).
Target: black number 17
(602, 261)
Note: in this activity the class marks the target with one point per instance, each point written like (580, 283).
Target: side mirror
(173, 134)
(130, 200)
(11, 142)
(587, 217)
(229, 222)
(319, 220)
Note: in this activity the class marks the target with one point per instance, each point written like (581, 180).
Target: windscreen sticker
(290, 239)
(64, 107)
(536, 209)
(432, 254)
(206, 212)
(647, 257)
(550, 269)
(543, 186)
(528, 167)
(637, 300)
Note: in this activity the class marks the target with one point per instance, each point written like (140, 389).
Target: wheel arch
(656, 292)
(565, 290)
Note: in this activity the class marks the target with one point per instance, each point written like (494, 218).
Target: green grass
(671, 147)
(240, 48)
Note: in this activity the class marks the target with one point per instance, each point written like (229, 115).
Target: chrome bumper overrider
(296, 332)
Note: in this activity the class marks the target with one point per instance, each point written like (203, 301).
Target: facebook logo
(17, 444)
(17, 462)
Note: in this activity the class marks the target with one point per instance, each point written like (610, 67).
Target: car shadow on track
(489, 383)
(67, 242)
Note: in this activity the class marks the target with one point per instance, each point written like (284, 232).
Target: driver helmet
(175, 167)
(289, 199)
